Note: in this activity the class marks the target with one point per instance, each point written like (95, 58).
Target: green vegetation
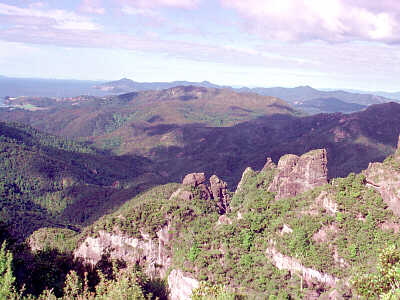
(55, 192)
(385, 282)
(52, 181)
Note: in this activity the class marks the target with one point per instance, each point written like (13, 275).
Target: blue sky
(326, 44)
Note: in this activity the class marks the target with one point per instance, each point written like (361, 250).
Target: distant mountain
(394, 96)
(125, 85)
(295, 96)
(328, 105)
(305, 93)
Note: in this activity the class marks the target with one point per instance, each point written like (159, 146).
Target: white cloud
(329, 20)
(92, 7)
(161, 3)
(56, 18)
(129, 10)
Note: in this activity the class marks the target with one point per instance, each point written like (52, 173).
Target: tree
(7, 279)
(385, 282)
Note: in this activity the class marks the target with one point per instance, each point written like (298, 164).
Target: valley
(234, 177)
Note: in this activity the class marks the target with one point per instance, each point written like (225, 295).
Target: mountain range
(329, 100)
(198, 191)
(179, 129)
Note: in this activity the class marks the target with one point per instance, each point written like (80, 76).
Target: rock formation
(283, 262)
(217, 190)
(269, 164)
(242, 181)
(181, 286)
(296, 174)
(385, 178)
(152, 254)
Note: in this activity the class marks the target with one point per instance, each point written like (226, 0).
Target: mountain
(305, 93)
(328, 105)
(258, 210)
(294, 96)
(125, 85)
(216, 131)
(394, 96)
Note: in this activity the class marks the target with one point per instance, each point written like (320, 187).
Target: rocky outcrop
(249, 171)
(283, 262)
(152, 254)
(181, 286)
(194, 179)
(217, 190)
(299, 174)
(385, 179)
(269, 164)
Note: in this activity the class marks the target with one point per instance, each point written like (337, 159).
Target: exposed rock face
(181, 286)
(269, 164)
(220, 193)
(385, 178)
(194, 179)
(327, 201)
(152, 254)
(217, 190)
(283, 262)
(299, 174)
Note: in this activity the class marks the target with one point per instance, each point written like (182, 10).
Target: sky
(352, 44)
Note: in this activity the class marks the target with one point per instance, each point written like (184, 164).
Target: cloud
(328, 20)
(92, 7)
(56, 18)
(145, 4)
(134, 11)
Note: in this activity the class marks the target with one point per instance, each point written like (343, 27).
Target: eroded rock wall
(299, 174)
(152, 254)
(385, 179)
(283, 262)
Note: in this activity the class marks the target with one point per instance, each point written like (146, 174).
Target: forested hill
(49, 180)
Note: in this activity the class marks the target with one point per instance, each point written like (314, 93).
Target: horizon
(334, 44)
(351, 90)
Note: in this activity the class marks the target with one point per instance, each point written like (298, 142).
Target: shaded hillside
(176, 129)
(52, 181)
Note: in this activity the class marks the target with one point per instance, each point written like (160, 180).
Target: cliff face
(299, 174)
(152, 254)
(385, 178)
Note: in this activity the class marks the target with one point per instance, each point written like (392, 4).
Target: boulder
(299, 174)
